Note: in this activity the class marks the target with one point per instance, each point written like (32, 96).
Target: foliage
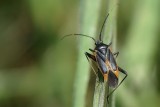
(39, 70)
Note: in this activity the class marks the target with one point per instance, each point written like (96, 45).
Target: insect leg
(116, 53)
(125, 73)
(89, 56)
(107, 92)
(91, 50)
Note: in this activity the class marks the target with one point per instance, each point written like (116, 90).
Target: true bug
(105, 60)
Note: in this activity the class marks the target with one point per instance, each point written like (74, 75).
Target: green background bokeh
(38, 70)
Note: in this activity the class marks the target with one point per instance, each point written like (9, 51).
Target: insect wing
(113, 72)
(111, 60)
(101, 62)
(112, 79)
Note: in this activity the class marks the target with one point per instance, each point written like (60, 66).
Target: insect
(105, 59)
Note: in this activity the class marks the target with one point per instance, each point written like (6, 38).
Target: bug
(106, 61)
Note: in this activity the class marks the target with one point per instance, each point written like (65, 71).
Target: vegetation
(39, 70)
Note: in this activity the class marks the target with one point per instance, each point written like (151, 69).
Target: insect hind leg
(125, 73)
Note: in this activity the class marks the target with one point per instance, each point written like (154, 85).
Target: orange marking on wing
(110, 68)
(108, 64)
(116, 73)
(105, 76)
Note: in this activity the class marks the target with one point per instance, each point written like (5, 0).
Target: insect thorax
(101, 47)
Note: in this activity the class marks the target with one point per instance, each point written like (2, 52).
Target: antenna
(79, 35)
(100, 35)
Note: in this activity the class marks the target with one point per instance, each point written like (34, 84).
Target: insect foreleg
(125, 73)
(90, 56)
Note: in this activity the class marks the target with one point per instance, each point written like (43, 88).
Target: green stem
(89, 17)
(110, 35)
(99, 93)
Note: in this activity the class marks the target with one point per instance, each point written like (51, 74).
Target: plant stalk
(89, 13)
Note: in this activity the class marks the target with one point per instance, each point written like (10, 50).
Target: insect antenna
(100, 35)
(79, 35)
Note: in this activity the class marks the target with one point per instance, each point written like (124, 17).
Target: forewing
(112, 79)
(101, 62)
(111, 60)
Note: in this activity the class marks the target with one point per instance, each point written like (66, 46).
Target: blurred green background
(38, 70)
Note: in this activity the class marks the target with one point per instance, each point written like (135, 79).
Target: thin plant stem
(101, 87)
(89, 13)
